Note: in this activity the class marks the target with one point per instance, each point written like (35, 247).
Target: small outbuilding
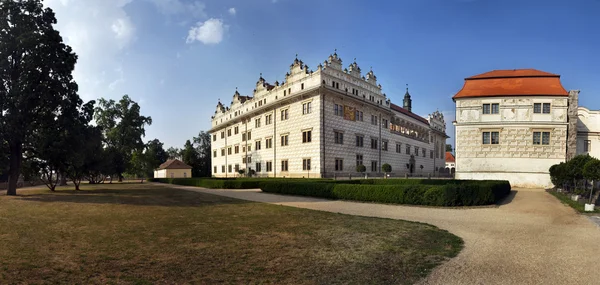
(173, 168)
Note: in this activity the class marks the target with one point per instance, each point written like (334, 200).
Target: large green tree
(155, 156)
(123, 128)
(173, 153)
(190, 156)
(35, 77)
(202, 144)
(591, 171)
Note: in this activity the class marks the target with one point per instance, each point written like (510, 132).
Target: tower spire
(407, 100)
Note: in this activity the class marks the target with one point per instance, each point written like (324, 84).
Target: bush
(452, 193)
(386, 168)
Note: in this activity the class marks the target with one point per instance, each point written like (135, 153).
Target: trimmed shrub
(453, 193)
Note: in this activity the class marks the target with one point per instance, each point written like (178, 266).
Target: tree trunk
(16, 157)
(63, 180)
(120, 177)
(76, 182)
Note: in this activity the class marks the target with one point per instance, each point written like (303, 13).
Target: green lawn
(147, 234)
(566, 199)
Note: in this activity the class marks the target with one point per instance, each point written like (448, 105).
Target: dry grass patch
(149, 234)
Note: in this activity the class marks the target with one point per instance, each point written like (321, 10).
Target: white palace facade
(324, 123)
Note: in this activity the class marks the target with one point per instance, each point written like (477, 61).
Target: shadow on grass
(139, 197)
(506, 200)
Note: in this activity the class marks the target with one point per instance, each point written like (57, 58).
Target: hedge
(233, 183)
(453, 193)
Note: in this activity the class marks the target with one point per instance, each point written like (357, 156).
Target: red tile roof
(408, 113)
(516, 82)
(174, 164)
(449, 157)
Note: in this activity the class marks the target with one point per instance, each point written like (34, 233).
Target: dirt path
(531, 239)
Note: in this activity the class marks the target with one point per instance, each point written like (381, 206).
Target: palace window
(214, 169)
(284, 114)
(306, 164)
(269, 166)
(539, 108)
(546, 108)
(359, 141)
(359, 116)
(222, 152)
(431, 154)
(306, 136)
(214, 138)
(249, 135)
(339, 137)
(384, 145)
(236, 130)
(416, 150)
(339, 164)
(237, 167)
(229, 132)
(229, 150)
(258, 167)
(407, 149)
(385, 123)
(306, 108)
(269, 143)
(338, 110)
(359, 159)
(222, 168)
(490, 138)
(284, 165)
(587, 145)
(268, 119)
(257, 145)
(214, 153)
(222, 135)
(243, 136)
(257, 123)
(398, 148)
(424, 152)
(284, 140)
(374, 143)
(229, 168)
(541, 138)
(373, 120)
(236, 149)
(301, 86)
(493, 108)
(373, 165)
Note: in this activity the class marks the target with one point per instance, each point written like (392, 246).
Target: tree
(35, 77)
(155, 155)
(448, 148)
(123, 129)
(386, 168)
(575, 168)
(558, 174)
(173, 153)
(141, 165)
(189, 156)
(591, 171)
(84, 160)
(202, 143)
(361, 168)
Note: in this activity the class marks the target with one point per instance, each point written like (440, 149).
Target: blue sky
(178, 57)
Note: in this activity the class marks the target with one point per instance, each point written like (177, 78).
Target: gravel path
(531, 239)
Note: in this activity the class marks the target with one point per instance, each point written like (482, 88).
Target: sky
(177, 58)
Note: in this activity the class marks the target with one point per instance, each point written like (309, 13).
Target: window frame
(306, 164)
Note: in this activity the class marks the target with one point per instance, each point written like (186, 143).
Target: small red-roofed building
(513, 125)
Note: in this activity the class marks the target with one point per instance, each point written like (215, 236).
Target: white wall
(588, 128)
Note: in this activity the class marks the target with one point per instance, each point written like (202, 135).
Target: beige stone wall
(173, 173)
(588, 128)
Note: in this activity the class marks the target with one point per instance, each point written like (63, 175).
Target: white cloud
(209, 32)
(98, 31)
(232, 11)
